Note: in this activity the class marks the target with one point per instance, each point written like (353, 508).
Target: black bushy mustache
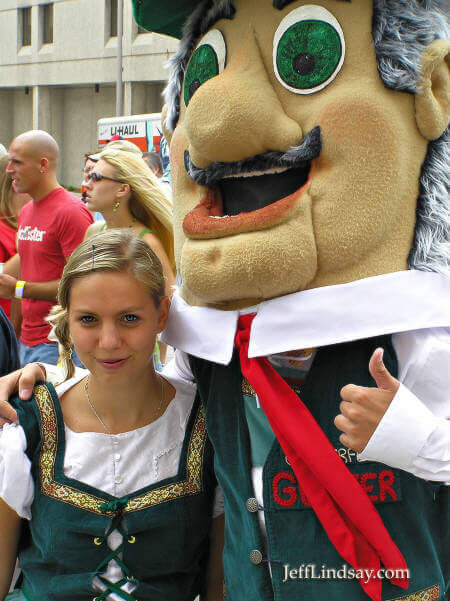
(296, 156)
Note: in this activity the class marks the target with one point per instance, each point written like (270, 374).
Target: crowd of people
(119, 190)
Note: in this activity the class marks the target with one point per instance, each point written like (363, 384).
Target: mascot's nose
(237, 114)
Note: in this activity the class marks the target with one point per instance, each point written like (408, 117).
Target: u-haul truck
(143, 130)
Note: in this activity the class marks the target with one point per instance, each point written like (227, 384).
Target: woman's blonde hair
(6, 195)
(148, 203)
(115, 250)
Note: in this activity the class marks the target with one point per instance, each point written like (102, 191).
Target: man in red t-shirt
(49, 229)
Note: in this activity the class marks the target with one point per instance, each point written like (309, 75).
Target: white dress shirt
(413, 306)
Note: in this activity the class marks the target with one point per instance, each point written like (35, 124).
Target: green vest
(415, 512)
(166, 525)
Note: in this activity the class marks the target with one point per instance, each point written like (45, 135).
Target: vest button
(256, 557)
(252, 505)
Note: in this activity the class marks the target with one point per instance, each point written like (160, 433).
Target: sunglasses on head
(93, 176)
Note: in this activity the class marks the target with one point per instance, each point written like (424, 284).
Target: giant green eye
(308, 49)
(207, 61)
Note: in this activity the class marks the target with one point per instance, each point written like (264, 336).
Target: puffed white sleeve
(414, 433)
(411, 438)
(16, 481)
(178, 367)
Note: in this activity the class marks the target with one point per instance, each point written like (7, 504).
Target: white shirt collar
(384, 304)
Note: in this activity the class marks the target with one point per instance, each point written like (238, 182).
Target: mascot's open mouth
(251, 195)
(239, 205)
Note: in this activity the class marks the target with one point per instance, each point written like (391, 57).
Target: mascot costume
(309, 155)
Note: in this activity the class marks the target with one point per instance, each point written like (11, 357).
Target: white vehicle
(143, 130)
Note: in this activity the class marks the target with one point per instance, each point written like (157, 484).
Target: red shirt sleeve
(7, 241)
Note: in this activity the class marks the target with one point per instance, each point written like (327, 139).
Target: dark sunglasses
(93, 176)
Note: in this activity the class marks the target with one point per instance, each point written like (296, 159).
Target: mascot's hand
(362, 408)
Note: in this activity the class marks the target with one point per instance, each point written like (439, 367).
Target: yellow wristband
(18, 292)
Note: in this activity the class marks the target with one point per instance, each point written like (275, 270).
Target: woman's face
(101, 195)
(113, 323)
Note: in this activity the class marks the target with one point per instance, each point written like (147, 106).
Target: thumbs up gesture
(362, 408)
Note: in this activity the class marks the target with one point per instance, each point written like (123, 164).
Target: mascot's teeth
(270, 171)
(218, 216)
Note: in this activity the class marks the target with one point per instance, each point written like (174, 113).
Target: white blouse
(117, 464)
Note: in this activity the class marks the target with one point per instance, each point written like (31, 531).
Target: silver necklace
(94, 411)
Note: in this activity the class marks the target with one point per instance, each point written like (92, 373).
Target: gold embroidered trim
(427, 594)
(248, 389)
(89, 502)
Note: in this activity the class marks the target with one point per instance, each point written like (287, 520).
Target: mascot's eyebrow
(221, 10)
(280, 4)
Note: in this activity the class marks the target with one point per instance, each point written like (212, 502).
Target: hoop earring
(116, 206)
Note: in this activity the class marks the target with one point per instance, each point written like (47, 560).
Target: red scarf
(344, 509)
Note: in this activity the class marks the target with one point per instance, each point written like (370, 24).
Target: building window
(47, 23)
(112, 9)
(25, 26)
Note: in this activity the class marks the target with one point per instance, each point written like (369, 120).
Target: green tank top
(141, 234)
(146, 230)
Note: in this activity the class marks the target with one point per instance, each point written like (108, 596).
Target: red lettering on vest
(290, 491)
(367, 480)
(386, 479)
(303, 497)
(368, 487)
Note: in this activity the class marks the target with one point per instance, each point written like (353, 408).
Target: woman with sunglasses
(112, 469)
(125, 191)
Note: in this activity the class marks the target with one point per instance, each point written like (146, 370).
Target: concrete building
(58, 68)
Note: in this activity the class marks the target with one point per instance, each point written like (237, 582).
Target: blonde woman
(124, 190)
(113, 469)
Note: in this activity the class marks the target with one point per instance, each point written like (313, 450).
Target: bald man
(50, 227)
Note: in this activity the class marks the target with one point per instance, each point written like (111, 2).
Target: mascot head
(309, 142)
